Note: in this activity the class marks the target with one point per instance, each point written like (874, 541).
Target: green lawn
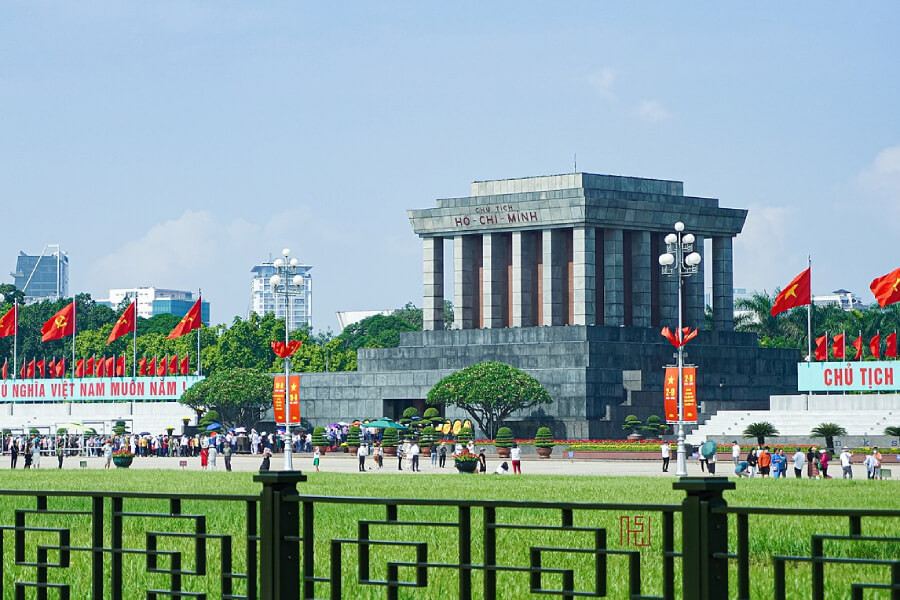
(769, 534)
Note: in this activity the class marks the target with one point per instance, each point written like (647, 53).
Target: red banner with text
(294, 399)
(689, 389)
(278, 397)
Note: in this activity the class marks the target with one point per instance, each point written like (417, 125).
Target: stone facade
(558, 275)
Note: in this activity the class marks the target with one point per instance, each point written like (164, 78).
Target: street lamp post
(287, 281)
(680, 260)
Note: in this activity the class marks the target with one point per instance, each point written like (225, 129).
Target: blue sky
(177, 143)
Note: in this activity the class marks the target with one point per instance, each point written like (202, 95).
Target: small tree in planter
(432, 415)
(426, 441)
(543, 441)
(389, 441)
(503, 442)
(319, 440)
(632, 424)
(353, 439)
(408, 414)
(654, 426)
(464, 436)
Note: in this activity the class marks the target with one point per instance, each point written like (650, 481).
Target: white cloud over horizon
(651, 111)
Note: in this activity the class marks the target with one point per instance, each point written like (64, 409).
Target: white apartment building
(153, 301)
(262, 301)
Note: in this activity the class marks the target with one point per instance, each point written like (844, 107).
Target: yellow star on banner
(293, 387)
(793, 291)
(671, 380)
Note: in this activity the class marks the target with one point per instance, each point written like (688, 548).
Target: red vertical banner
(278, 398)
(689, 389)
(670, 394)
(294, 399)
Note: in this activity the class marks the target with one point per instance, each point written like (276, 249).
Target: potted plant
(503, 442)
(426, 441)
(408, 415)
(432, 416)
(464, 436)
(352, 440)
(543, 442)
(319, 440)
(170, 431)
(466, 462)
(122, 458)
(632, 424)
(389, 441)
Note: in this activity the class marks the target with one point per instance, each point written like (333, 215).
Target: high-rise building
(44, 276)
(157, 301)
(262, 301)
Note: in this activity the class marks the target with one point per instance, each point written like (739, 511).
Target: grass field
(769, 534)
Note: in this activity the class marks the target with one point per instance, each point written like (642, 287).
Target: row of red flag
(798, 293)
(838, 346)
(104, 366)
(62, 324)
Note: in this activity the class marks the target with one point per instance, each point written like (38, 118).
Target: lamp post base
(288, 453)
(681, 454)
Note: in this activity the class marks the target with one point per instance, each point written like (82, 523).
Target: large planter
(122, 462)
(502, 452)
(467, 466)
(544, 452)
(425, 451)
(322, 449)
(389, 450)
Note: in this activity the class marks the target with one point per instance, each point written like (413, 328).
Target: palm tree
(760, 431)
(894, 430)
(829, 431)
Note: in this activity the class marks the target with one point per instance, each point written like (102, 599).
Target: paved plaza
(345, 463)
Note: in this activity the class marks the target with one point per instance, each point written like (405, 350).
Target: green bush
(464, 435)
(408, 414)
(504, 438)
(433, 416)
(429, 435)
(389, 437)
(318, 437)
(62, 431)
(632, 423)
(543, 438)
(353, 437)
(33, 431)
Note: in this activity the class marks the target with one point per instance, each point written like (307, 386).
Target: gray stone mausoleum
(558, 275)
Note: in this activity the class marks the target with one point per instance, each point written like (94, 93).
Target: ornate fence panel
(283, 545)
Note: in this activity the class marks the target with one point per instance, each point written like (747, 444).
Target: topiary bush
(318, 437)
(408, 414)
(428, 437)
(504, 438)
(543, 438)
(353, 437)
(389, 437)
(464, 436)
(433, 416)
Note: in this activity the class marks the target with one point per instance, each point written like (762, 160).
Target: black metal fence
(283, 545)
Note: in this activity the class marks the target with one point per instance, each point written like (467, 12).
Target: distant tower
(44, 276)
(263, 301)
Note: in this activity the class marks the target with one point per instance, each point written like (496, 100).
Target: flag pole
(134, 345)
(199, 363)
(74, 331)
(860, 345)
(809, 312)
(15, 336)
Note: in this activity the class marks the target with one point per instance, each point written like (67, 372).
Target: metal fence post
(704, 537)
(279, 539)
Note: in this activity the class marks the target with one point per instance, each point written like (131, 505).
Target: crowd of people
(815, 462)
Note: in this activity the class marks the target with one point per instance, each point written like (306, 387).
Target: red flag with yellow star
(887, 288)
(8, 322)
(797, 293)
(188, 323)
(59, 325)
(125, 324)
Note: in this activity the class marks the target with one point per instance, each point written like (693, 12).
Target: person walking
(482, 462)
(107, 453)
(665, 451)
(764, 460)
(316, 456)
(846, 467)
(434, 457)
(813, 458)
(211, 457)
(226, 454)
(824, 459)
(378, 455)
(735, 452)
(869, 463)
(361, 453)
(752, 459)
(799, 461)
(414, 452)
(60, 453)
(267, 461)
(878, 458)
(711, 463)
(13, 454)
(442, 453)
(400, 457)
(515, 455)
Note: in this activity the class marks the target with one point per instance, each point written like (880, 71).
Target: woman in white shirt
(515, 454)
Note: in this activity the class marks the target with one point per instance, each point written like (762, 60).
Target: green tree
(504, 438)
(318, 437)
(892, 430)
(829, 431)
(654, 425)
(413, 315)
(353, 437)
(240, 396)
(377, 331)
(760, 431)
(489, 392)
(209, 417)
(632, 424)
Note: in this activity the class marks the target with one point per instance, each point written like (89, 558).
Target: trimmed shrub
(318, 437)
(428, 437)
(353, 437)
(543, 438)
(464, 435)
(389, 437)
(504, 438)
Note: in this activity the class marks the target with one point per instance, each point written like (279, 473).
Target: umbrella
(212, 426)
(238, 430)
(386, 424)
(145, 433)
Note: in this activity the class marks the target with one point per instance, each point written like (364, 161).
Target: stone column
(463, 279)
(641, 263)
(694, 291)
(493, 283)
(523, 267)
(433, 279)
(583, 265)
(668, 290)
(722, 283)
(553, 279)
(613, 278)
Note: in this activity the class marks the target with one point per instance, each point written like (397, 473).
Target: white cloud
(651, 111)
(603, 83)
(879, 184)
(770, 248)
